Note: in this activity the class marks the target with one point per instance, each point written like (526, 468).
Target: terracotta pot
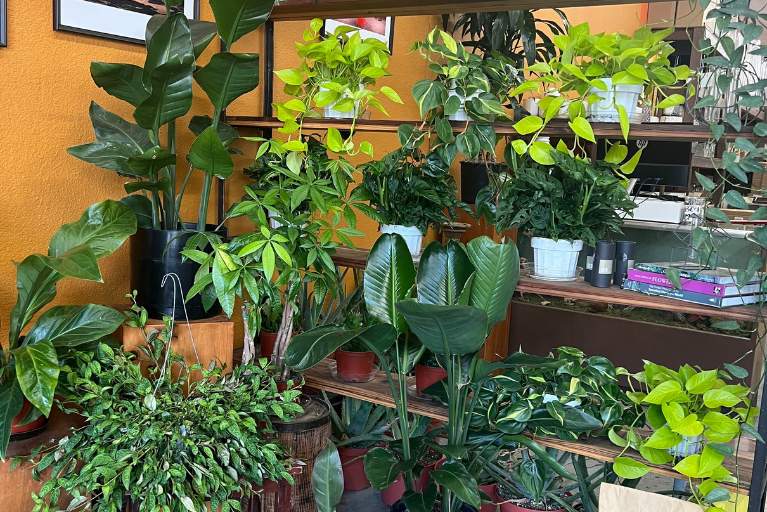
(19, 428)
(492, 492)
(353, 465)
(426, 376)
(266, 341)
(423, 479)
(355, 366)
(394, 492)
(515, 507)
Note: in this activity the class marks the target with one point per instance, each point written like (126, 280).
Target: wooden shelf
(377, 391)
(556, 128)
(356, 258)
(308, 9)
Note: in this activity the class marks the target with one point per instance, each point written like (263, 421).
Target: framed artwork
(124, 20)
(378, 28)
(3, 23)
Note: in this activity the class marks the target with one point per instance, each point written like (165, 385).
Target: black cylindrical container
(589, 264)
(474, 178)
(624, 259)
(154, 254)
(604, 261)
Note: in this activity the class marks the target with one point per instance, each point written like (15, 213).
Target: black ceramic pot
(156, 253)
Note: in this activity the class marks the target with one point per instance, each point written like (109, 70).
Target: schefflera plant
(160, 93)
(689, 407)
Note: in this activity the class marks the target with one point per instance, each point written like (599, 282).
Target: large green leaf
(382, 467)
(170, 46)
(210, 155)
(389, 278)
(141, 206)
(327, 479)
(203, 32)
(103, 227)
(123, 81)
(11, 402)
(170, 99)
(496, 272)
(454, 476)
(309, 348)
(36, 287)
(37, 370)
(442, 273)
(107, 155)
(449, 330)
(80, 263)
(72, 326)
(235, 18)
(227, 77)
(110, 127)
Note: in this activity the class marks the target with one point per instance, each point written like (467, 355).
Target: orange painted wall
(44, 95)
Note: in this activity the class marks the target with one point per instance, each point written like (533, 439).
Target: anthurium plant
(573, 80)
(30, 363)
(160, 93)
(708, 409)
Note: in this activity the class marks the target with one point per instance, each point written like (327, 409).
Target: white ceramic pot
(411, 234)
(688, 446)
(331, 113)
(273, 222)
(461, 114)
(556, 260)
(605, 111)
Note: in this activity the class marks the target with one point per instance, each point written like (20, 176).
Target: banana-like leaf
(541, 454)
(113, 156)
(421, 502)
(448, 330)
(309, 348)
(227, 77)
(203, 32)
(209, 154)
(110, 127)
(36, 287)
(327, 479)
(453, 475)
(235, 18)
(141, 207)
(123, 81)
(495, 277)
(442, 273)
(72, 326)
(37, 370)
(11, 402)
(382, 467)
(389, 278)
(103, 228)
(170, 99)
(169, 47)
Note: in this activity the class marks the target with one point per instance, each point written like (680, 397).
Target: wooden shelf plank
(377, 391)
(356, 258)
(557, 128)
(308, 9)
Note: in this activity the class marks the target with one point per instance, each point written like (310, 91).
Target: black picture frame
(58, 26)
(3, 23)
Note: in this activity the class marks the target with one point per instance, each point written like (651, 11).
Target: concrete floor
(368, 500)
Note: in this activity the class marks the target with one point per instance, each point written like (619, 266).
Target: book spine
(689, 285)
(658, 269)
(672, 293)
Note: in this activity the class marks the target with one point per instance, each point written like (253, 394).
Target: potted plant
(205, 441)
(532, 486)
(355, 363)
(145, 152)
(360, 426)
(408, 190)
(30, 364)
(339, 71)
(597, 77)
(428, 372)
(561, 207)
(271, 313)
(693, 415)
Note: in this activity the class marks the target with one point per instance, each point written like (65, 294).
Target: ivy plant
(687, 404)
(175, 439)
(30, 364)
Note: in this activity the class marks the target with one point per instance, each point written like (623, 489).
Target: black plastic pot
(156, 253)
(474, 178)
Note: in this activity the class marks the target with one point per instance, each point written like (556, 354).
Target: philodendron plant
(30, 363)
(160, 93)
(694, 416)
(448, 306)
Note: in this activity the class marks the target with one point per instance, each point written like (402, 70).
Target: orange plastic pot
(353, 465)
(426, 376)
(355, 366)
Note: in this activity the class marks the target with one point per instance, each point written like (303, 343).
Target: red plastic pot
(515, 507)
(426, 376)
(492, 492)
(19, 428)
(353, 465)
(355, 366)
(266, 339)
(394, 492)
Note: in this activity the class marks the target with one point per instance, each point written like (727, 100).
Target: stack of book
(711, 287)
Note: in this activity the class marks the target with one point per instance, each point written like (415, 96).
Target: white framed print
(124, 20)
(381, 28)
